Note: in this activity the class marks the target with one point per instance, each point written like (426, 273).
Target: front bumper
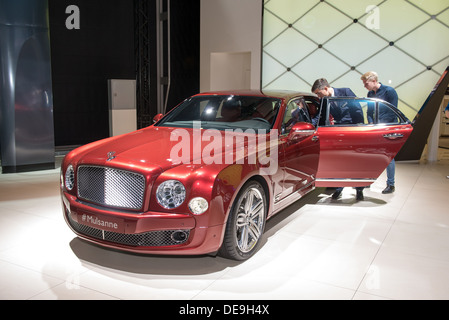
(149, 232)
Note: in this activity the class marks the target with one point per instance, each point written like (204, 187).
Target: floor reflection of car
(206, 176)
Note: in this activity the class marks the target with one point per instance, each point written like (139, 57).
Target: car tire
(246, 223)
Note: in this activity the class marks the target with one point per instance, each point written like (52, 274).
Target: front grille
(146, 239)
(111, 187)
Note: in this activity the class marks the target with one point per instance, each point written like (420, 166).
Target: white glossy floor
(386, 247)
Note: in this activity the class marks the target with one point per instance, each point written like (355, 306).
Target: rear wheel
(246, 223)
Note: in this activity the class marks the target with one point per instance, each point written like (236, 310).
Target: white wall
(230, 26)
(230, 70)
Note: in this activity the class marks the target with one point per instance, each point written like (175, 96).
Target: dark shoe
(360, 195)
(336, 194)
(388, 189)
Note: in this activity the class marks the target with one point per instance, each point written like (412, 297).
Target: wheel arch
(225, 245)
(264, 185)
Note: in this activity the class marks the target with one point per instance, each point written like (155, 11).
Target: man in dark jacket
(346, 114)
(322, 89)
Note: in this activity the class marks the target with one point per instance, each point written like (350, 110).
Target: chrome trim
(296, 193)
(393, 136)
(158, 238)
(99, 207)
(344, 180)
(305, 131)
(111, 187)
(111, 155)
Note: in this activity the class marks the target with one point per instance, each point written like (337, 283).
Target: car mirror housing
(157, 117)
(300, 131)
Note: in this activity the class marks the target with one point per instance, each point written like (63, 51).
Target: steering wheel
(261, 119)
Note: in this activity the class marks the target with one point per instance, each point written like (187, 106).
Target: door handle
(393, 136)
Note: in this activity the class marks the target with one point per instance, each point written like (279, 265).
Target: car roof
(283, 94)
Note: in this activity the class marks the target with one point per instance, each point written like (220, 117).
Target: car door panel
(354, 155)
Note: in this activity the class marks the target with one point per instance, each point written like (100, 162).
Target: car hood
(161, 148)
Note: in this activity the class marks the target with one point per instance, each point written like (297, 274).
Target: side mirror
(300, 131)
(157, 117)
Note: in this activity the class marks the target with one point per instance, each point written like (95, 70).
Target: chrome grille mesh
(111, 187)
(146, 239)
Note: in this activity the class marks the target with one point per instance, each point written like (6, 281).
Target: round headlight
(171, 194)
(198, 205)
(69, 177)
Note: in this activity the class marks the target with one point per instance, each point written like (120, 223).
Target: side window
(346, 111)
(386, 114)
(302, 112)
(369, 111)
(313, 106)
(296, 111)
(325, 118)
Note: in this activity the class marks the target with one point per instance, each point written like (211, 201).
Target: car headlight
(198, 205)
(171, 194)
(69, 177)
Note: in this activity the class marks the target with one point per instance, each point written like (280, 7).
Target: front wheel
(246, 223)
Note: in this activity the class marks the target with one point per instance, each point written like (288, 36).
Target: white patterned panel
(313, 64)
(442, 65)
(272, 69)
(273, 26)
(355, 44)
(443, 18)
(430, 6)
(405, 41)
(390, 71)
(291, 81)
(351, 79)
(321, 22)
(289, 10)
(353, 8)
(433, 43)
(412, 92)
(284, 48)
(394, 23)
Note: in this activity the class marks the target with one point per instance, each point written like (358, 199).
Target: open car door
(358, 139)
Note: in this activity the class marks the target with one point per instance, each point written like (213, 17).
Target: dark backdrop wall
(184, 18)
(185, 50)
(104, 48)
(82, 60)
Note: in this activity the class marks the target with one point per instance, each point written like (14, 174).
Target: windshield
(224, 112)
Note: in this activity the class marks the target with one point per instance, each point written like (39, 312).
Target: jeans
(390, 173)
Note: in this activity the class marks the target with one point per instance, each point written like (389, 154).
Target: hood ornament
(111, 155)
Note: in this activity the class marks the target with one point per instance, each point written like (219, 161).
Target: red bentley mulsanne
(205, 177)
